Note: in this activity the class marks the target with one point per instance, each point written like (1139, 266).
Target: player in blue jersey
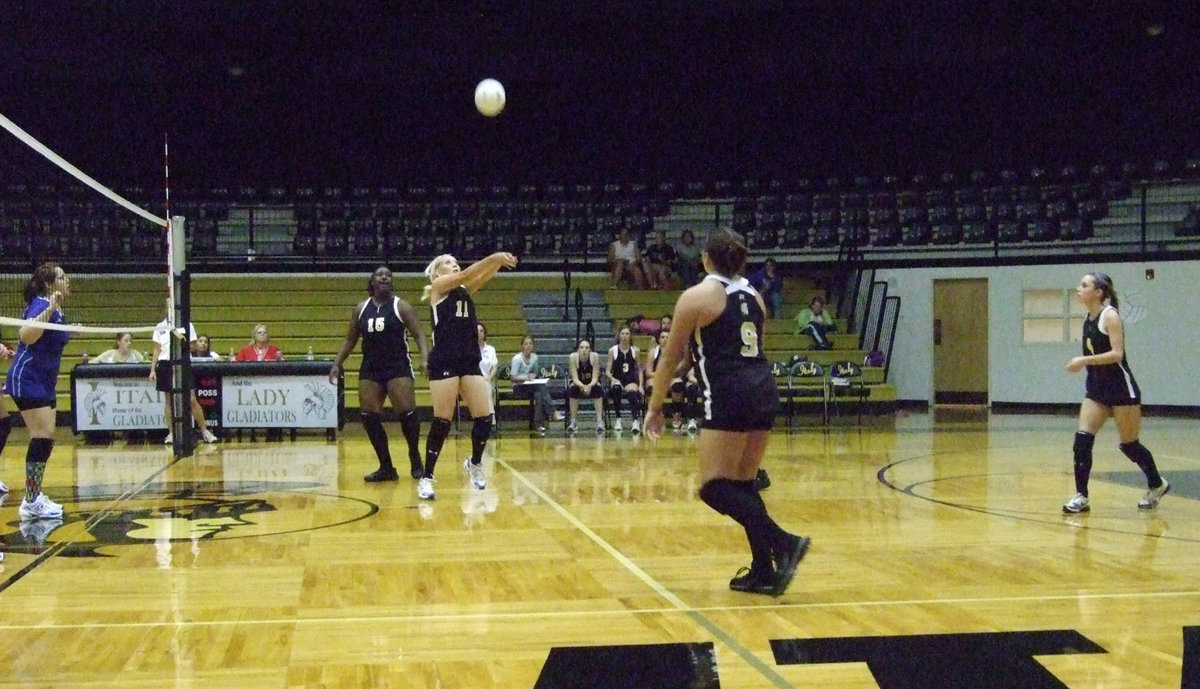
(721, 319)
(454, 359)
(382, 321)
(1110, 390)
(32, 379)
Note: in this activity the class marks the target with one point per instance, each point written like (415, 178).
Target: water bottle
(232, 354)
(310, 353)
(85, 357)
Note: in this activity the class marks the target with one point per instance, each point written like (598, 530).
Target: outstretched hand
(654, 424)
(507, 260)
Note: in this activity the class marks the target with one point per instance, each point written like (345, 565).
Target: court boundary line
(741, 651)
(439, 617)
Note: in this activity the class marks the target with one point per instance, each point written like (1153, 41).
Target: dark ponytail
(727, 252)
(1105, 284)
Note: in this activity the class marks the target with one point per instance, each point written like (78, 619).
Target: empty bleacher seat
(947, 233)
(887, 235)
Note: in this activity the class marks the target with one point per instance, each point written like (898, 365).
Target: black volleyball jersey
(384, 335)
(734, 340)
(584, 368)
(624, 364)
(455, 336)
(1116, 376)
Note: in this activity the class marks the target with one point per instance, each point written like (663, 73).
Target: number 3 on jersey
(375, 325)
(749, 340)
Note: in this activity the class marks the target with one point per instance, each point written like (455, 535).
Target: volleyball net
(51, 210)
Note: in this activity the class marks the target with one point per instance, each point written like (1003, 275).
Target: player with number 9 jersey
(739, 388)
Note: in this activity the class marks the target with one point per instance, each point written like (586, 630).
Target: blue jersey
(34, 371)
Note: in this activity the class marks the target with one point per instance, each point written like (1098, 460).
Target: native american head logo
(94, 403)
(319, 401)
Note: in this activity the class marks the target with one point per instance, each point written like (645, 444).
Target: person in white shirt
(524, 368)
(488, 361)
(160, 372)
(121, 353)
(624, 258)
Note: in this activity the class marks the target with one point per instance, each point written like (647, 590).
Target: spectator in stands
(488, 361)
(625, 261)
(769, 284)
(687, 263)
(664, 323)
(201, 350)
(161, 374)
(816, 323)
(260, 347)
(584, 368)
(121, 353)
(660, 257)
(524, 368)
(625, 380)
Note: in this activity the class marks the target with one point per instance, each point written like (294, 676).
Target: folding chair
(806, 381)
(846, 381)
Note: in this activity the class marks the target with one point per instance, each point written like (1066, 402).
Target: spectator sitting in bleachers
(260, 347)
(769, 284)
(816, 323)
(625, 260)
(583, 366)
(524, 368)
(202, 350)
(687, 263)
(121, 353)
(659, 259)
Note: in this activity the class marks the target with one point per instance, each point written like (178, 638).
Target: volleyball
(489, 97)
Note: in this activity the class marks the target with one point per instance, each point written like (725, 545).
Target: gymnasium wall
(1160, 340)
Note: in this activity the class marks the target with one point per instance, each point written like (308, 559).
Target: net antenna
(177, 283)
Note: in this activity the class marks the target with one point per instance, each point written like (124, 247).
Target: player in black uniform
(1110, 390)
(625, 379)
(454, 360)
(386, 371)
(724, 317)
(584, 370)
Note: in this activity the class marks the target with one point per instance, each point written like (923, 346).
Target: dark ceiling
(296, 92)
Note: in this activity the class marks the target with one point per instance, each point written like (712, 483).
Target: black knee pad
(1083, 446)
(440, 428)
(409, 419)
(39, 450)
(481, 430)
(371, 420)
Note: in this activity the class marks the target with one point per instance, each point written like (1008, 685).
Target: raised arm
(475, 275)
(30, 334)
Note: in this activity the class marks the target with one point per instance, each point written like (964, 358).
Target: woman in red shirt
(260, 348)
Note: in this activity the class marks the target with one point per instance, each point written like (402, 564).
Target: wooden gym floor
(940, 558)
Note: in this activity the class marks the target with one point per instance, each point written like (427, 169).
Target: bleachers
(314, 311)
(780, 340)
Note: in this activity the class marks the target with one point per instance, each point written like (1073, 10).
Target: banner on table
(106, 404)
(281, 401)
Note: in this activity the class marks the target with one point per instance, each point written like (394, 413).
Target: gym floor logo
(184, 512)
